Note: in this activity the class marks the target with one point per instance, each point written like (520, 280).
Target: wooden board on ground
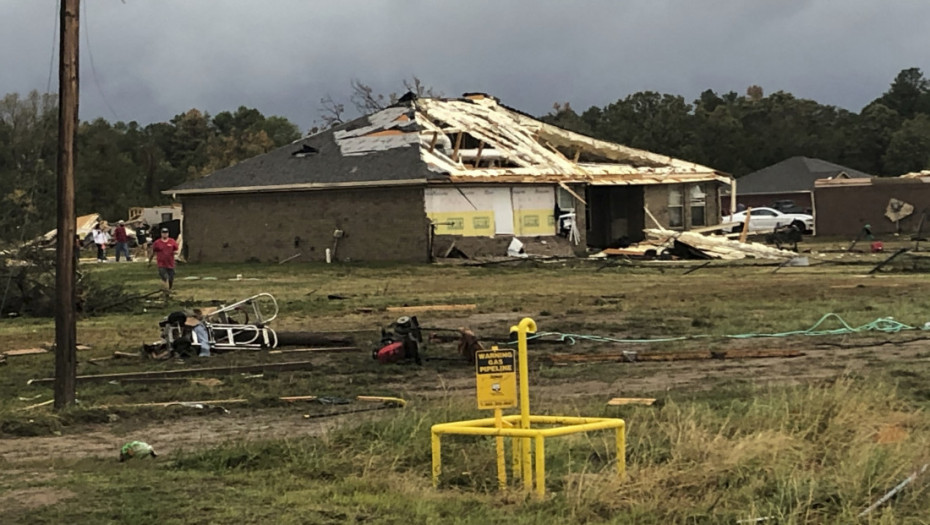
(431, 308)
(220, 370)
(317, 349)
(617, 401)
(25, 351)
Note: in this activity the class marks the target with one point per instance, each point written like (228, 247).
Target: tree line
(739, 134)
(118, 165)
(126, 164)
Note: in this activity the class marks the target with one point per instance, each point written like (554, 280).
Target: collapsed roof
(473, 139)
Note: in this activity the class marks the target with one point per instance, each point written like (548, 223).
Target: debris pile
(716, 246)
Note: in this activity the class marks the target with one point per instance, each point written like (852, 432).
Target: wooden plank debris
(220, 370)
(719, 247)
(320, 349)
(618, 401)
(745, 231)
(25, 351)
(431, 308)
(240, 400)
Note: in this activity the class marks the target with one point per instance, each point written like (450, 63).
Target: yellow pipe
(526, 325)
(516, 467)
(621, 451)
(531, 432)
(437, 457)
(540, 467)
(501, 460)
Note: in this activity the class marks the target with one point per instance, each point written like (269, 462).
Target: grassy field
(812, 439)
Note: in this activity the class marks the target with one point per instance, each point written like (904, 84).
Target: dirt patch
(31, 498)
(169, 437)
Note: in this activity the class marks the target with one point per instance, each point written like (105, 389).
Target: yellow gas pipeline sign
(496, 378)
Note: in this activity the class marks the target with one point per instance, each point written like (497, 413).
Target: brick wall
(379, 224)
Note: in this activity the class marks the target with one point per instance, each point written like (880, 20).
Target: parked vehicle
(767, 219)
(788, 206)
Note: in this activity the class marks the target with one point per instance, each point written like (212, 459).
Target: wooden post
(745, 231)
(65, 325)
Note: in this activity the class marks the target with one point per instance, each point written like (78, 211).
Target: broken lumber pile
(688, 355)
(718, 247)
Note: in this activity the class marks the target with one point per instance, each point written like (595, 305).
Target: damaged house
(405, 183)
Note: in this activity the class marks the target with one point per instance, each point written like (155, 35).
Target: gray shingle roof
(793, 174)
(317, 159)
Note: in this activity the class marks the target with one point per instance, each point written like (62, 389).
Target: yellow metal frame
(519, 426)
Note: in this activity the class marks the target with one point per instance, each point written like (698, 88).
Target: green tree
(909, 93)
(909, 149)
(28, 149)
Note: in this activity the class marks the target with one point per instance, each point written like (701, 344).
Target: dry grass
(799, 447)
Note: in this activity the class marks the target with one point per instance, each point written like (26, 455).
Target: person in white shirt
(101, 238)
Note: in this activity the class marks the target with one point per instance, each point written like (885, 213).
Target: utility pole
(65, 324)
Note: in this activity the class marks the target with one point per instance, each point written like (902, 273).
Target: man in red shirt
(164, 249)
(122, 241)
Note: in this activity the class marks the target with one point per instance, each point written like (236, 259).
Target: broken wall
(615, 212)
(475, 211)
(379, 224)
(844, 209)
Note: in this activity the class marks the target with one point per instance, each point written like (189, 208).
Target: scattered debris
(432, 307)
(402, 343)
(880, 265)
(26, 351)
(715, 247)
(897, 210)
(220, 370)
(37, 405)
(320, 349)
(617, 401)
(468, 344)
(516, 249)
(136, 449)
(891, 493)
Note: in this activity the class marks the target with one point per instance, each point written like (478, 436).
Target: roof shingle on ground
(793, 174)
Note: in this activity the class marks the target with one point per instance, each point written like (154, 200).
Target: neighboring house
(791, 179)
(156, 215)
(886, 204)
(404, 183)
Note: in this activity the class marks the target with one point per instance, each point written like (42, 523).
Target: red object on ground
(877, 246)
(391, 353)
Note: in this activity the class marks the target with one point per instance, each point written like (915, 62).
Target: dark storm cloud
(155, 59)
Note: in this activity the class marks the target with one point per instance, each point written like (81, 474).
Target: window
(698, 205)
(564, 199)
(165, 217)
(675, 208)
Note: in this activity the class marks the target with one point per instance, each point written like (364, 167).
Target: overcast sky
(153, 59)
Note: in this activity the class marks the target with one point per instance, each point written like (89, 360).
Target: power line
(51, 59)
(93, 70)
